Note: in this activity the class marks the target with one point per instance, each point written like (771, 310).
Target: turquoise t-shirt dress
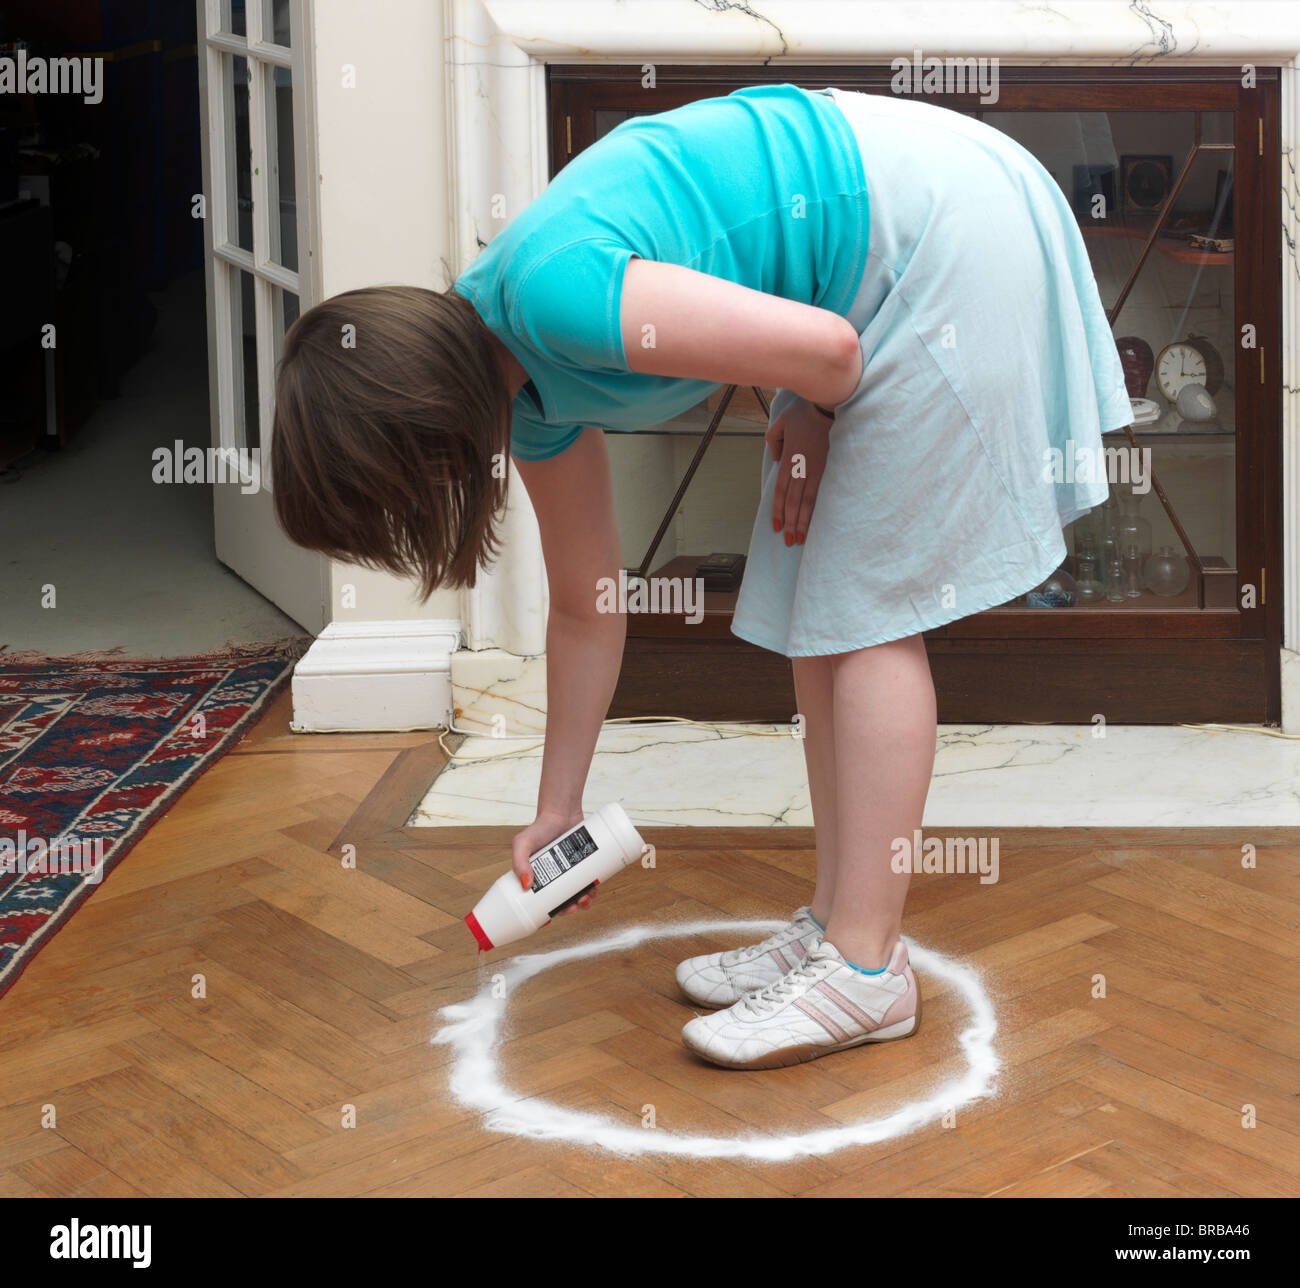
(957, 259)
(763, 187)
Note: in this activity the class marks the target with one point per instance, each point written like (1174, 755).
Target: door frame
(248, 538)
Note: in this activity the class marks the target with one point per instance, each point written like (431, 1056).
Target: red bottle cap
(484, 943)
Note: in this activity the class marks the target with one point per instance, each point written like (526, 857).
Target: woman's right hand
(539, 833)
(799, 435)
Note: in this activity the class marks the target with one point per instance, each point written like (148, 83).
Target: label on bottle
(554, 861)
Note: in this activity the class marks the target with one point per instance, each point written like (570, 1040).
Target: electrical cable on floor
(656, 721)
(1183, 724)
(652, 722)
(444, 729)
(1272, 733)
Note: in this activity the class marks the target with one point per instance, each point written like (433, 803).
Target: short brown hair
(382, 450)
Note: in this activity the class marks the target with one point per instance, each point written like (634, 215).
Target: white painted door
(258, 159)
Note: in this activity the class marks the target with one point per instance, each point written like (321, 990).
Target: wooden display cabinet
(1185, 243)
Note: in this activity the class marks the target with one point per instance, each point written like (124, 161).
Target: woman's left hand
(799, 438)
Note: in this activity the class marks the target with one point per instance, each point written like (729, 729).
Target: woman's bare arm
(677, 322)
(573, 499)
(703, 328)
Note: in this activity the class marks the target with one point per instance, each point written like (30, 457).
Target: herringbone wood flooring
(322, 984)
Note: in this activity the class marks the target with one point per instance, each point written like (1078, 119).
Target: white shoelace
(780, 938)
(767, 1001)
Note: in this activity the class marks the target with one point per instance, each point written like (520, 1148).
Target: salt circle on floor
(472, 1029)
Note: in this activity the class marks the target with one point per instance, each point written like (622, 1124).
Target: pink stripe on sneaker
(825, 1021)
(799, 950)
(775, 955)
(846, 1006)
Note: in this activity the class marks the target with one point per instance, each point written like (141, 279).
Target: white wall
(383, 199)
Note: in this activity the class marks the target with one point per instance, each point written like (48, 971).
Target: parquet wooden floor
(323, 982)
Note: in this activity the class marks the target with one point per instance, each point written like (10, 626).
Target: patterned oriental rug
(93, 748)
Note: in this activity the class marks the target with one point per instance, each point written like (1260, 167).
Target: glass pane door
(253, 79)
(1152, 192)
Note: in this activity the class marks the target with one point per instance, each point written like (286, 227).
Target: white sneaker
(820, 1006)
(719, 979)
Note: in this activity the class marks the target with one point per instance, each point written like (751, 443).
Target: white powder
(473, 1027)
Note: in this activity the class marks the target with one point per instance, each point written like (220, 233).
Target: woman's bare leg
(884, 728)
(814, 692)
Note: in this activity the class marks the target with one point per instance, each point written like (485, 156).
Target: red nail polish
(776, 525)
(789, 539)
(799, 539)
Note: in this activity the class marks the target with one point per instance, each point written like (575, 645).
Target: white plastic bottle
(576, 861)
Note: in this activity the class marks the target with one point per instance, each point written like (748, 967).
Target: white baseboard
(376, 676)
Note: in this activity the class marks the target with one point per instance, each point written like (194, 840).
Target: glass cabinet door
(1153, 194)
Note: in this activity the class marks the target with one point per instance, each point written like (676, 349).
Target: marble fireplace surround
(497, 51)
